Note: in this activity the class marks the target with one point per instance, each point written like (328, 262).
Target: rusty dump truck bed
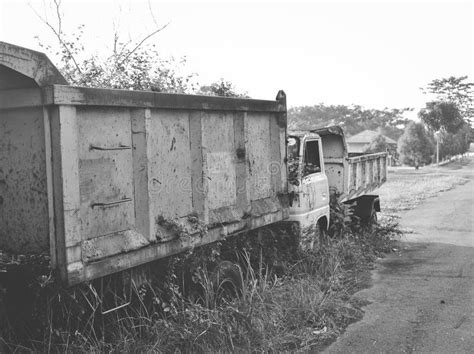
(350, 177)
(104, 180)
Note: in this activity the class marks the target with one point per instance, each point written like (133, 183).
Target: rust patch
(173, 142)
(241, 153)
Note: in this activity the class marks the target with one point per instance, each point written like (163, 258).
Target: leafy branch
(132, 65)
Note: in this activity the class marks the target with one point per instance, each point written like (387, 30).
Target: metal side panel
(365, 173)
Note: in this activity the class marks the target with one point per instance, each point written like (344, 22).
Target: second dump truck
(319, 167)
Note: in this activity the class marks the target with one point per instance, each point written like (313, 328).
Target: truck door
(314, 184)
(308, 181)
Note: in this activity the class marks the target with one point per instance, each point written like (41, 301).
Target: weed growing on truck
(182, 229)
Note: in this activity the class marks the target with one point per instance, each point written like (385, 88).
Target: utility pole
(437, 151)
(437, 148)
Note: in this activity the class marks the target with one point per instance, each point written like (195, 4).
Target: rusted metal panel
(259, 155)
(366, 173)
(283, 162)
(24, 215)
(65, 173)
(49, 185)
(192, 164)
(140, 123)
(105, 171)
(241, 166)
(198, 182)
(279, 143)
(219, 153)
(170, 164)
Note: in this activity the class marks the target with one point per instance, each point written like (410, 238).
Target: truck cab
(308, 183)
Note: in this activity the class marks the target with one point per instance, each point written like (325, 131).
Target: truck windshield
(293, 148)
(312, 163)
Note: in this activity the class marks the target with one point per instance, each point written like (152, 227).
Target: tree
(451, 130)
(353, 119)
(414, 146)
(441, 115)
(454, 90)
(132, 64)
(222, 88)
(454, 144)
(378, 144)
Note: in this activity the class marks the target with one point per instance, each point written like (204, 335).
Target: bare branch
(116, 37)
(57, 32)
(143, 41)
(58, 15)
(152, 14)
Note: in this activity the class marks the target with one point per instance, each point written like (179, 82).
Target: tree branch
(152, 14)
(141, 42)
(58, 32)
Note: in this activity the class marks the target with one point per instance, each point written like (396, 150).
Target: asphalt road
(422, 297)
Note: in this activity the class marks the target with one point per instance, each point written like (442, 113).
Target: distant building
(358, 143)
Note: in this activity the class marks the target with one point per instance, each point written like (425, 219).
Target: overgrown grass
(287, 299)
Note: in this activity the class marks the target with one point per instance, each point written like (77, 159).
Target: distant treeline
(354, 119)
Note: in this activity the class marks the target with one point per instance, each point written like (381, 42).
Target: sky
(376, 54)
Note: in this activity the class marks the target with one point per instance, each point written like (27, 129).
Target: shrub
(414, 146)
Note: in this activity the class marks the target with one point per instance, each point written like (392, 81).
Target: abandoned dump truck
(104, 180)
(319, 167)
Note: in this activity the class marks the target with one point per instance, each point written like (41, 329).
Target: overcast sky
(376, 54)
